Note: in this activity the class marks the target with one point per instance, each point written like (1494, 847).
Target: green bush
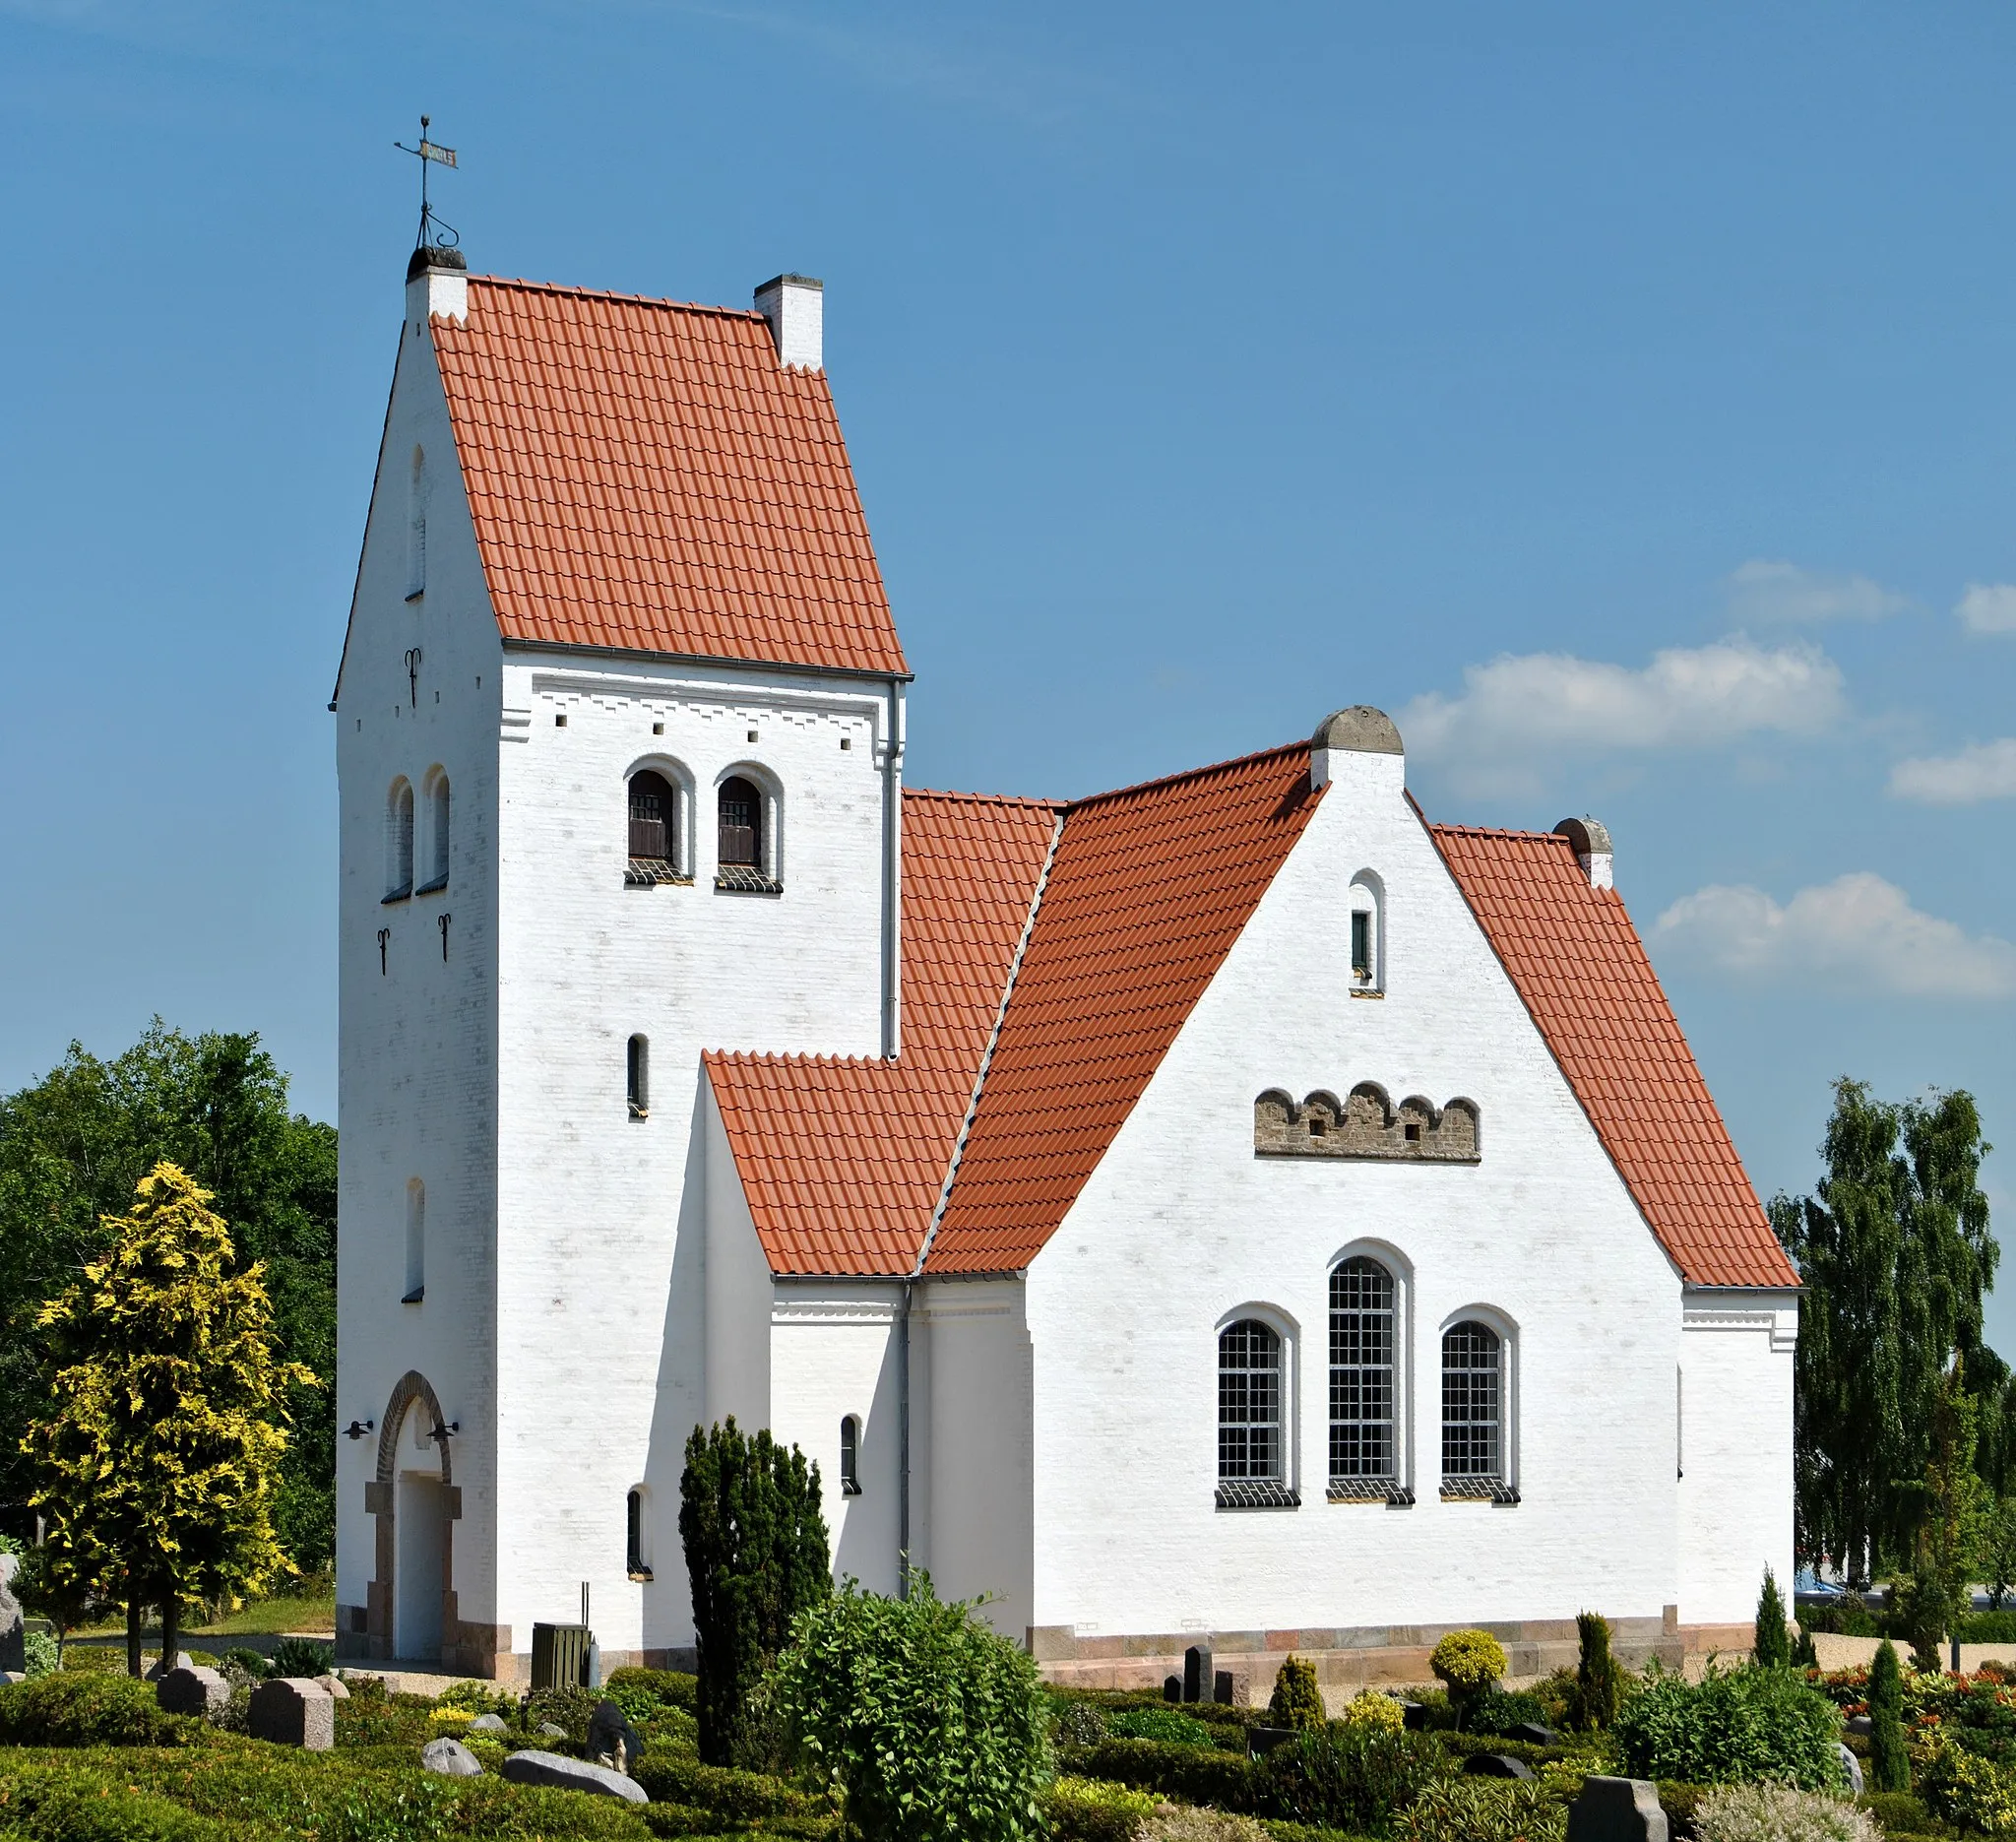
(1194, 1774)
(1484, 1809)
(1349, 1777)
(1496, 1710)
(55, 1806)
(479, 1697)
(98, 1710)
(302, 1656)
(1169, 1725)
(1986, 1627)
(1461, 1746)
(569, 1709)
(1086, 1809)
(383, 1720)
(44, 1656)
(1889, 1766)
(1735, 1727)
(1592, 1703)
(929, 1724)
(1902, 1815)
(1965, 1789)
(1076, 1722)
(672, 1775)
(1297, 1700)
(673, 1688)
(246, 1661)
(94, 1660)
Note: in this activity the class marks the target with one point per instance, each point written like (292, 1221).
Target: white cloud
(1858, 931)
(1984, 770)
(1516, 709)
(1988, 608)
(1767, 592)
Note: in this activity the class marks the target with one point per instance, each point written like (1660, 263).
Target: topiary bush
(1349, 1776)
(1734, 1727)
(1889, 1763)
(1773, 1813)
(1298, 1700)
(97, 1710)
(1370, 1708)
(671, 1775)
(1467, 1663)
(1772, 1643)
(41, 1654)
(930, 1725)
(1484, 1809)
(1176, 1823)
(1195, 1774)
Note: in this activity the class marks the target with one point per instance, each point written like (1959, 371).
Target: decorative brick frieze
(1365, 1123)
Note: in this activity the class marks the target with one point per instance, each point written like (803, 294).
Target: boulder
(1852, 1768)
(489, 1723)
(612, 1740)
(293, 1711)
(8, 1677)
(565, 1774)
(335, 1685)
(451, 1758)
(202, 1692)
(548, 1731)
(12, 1633)
(1497, 1765)
(1617, 1810)
(1860, 1724)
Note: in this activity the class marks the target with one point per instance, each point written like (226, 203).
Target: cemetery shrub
(249, 1663)
(92, 1660)
(302, 1656)
(929, 1723)
(1986, 1627)
(42, 1655)
(1962, 1788)
(1497, 1709)
(1298, 1702)
(1349, 1777)
(1169, 1725)
(97, 1710)
(757, 1557)
(479, 1698)
(1460, 1746)
(644, 1694)
(1901, 1815)
(1179, 1822)
(1592, 1703)
(1467, 1663)
(672, 1775)
(1195, 1774)
(54, 1806)
(1773, 1644)
(1773, 1813)
(1484, 1809)
(1076, 1722)
(1087, 1810)
(1889, 1766)
(569, 1709)
(1371, 1708)
(383, 1720)
(1734, 1727)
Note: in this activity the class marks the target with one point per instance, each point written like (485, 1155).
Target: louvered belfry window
(651, 816)
(1248, 1401)
(741, 824)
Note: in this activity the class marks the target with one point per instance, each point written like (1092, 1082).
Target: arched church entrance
(410, 1612)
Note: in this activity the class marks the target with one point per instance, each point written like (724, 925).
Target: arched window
(635, 1563)
(1473, 1411)
(639, 1081)
(415, 1242)
(1249, 1403)
(741, 824)
(849, 1456)
(654, 820)
(437, 833)
(399, 841)
(1367, 905)
(1363, 1445)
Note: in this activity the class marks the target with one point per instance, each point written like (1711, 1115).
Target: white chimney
(1591, 843)
(795, 308)
(1359, 731)
(436, 285)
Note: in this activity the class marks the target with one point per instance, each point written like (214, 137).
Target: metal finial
(444, 236)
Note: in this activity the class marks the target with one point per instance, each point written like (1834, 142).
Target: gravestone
(1852, 1768)
(293, 1711)
(1261, 1741)
(1173, 1688)
(451, 1758)
(1413, 1717)
(565, 1774)
(1222, 1688)
(612, 1740)
(13, 1631)
(1198, 1683)
(1497, 1765)
(202, 1692)
(1534, 1733)
(162, 1664)
(1617, 1810)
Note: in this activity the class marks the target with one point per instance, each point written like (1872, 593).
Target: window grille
(742, 825)
(1361, 1372)
(638, 1082)
(1473, 1392)
(849, 1456)
(634, 1538)
(1248, 1402)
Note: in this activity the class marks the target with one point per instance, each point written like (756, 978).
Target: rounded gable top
(1586, 836)
(1360, 729)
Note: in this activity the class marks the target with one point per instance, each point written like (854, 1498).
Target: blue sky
(1625, 402)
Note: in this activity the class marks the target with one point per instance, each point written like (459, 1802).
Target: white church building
(1231, 1209)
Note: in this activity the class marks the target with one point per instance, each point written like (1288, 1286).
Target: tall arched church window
(399, 841)
(740, 844)
(1474, 1413)
(437, 833)
(1251, 1451)
(1364, 1385)
(849, 1456)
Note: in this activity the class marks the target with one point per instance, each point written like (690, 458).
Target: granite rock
(565, 1774)
(451, 1758)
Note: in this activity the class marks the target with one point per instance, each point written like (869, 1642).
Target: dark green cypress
(1889, 1766)
(1773, 1642)
(1594, 1705)
(756, 1556)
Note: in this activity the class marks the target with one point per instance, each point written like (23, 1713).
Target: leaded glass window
(1473, 1396)
(1361, 1370)
(1248, 1401)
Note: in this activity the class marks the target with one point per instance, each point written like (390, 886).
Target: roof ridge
(990, 799)
(1489, 831)
(608, 293)
(787, 1059)
(1189, 774)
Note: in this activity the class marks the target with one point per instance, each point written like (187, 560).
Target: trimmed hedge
(91, 1710)
(1355, 1777)
(1194, 1774)
(672, 1775)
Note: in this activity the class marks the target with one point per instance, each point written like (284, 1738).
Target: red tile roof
(842, 1158)
(1576, 960)
(1148, 891)
(644, 476)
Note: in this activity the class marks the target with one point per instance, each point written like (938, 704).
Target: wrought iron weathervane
(431, 152)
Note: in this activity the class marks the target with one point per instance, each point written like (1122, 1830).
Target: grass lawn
(313, 1609)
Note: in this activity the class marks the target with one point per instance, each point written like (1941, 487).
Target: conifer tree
(1773, 1643)
(1598, 1687)
(756, 1556)
(1297, 1700)
(1889, 1766)
(158, 1459)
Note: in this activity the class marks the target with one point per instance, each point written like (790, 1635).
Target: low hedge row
(64, 1710)
(674, 1775)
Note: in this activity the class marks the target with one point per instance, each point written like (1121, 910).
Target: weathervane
(430, 151)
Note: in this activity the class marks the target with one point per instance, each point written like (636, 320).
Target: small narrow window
(1367, 902)
(1473, 1406)
(635, 1563)
(640, 1077)
(417, 530)
(416, 1243)
(399, 841)
(849, 1456)
(437, 833)
(741, 824)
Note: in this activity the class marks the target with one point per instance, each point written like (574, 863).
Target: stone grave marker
(293, 1711)
(1617, 1810)
(199, 1691)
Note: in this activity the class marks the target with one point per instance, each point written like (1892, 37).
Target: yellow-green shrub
(1370, 1707)
(1090, 1810)
(1468, 1661)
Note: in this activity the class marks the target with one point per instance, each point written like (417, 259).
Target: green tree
(1947, 1538)
(756, 1556)
(1599, 1685)
(73, 1145)
(1889, 1763)
(1998, 1548)
(1773, 1644)
(159, 1448)
(930, 1725)
(1896, 1254)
